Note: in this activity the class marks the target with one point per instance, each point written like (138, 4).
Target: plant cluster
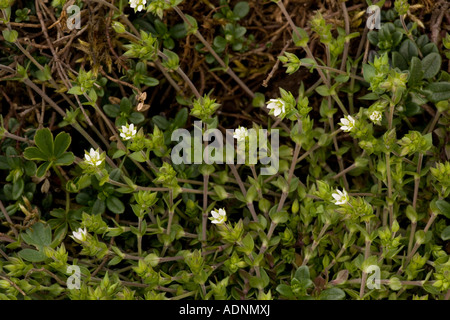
(93, 207)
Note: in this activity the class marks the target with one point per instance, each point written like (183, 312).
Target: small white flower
(218, 217)
(137, 5)
(93, 158)
(348, 123)
(240, 133)
(376, 116)
(128, 132)
(277, 105)
(340, 197)
(80, 235)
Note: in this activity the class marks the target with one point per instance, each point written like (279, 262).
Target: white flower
(348, 123)
(93, 158)
(218, 217)
(128, 132)
(240, 133)
(277, 105)
(137, 5)
(376, 116)
(80, 235)
(341, 197)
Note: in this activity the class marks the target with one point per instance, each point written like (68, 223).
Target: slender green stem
(414, 203)
(417, 245)
(139, 237)
(244, 191)
(297, 33)
(316, 243)
(366, 256)
(409, 35)
(389, 185)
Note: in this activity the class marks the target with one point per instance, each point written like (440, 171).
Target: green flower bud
(264, 205)
(204, 107)
(401, 6)
(420, 237)
(118, 27)
(395, 284)
(4, 284)
(5, 4)
(295, 206)
(291, 62)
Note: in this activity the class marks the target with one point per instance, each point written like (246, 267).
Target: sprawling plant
(93, 205)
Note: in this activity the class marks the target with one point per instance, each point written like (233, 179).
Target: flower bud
(118, 27)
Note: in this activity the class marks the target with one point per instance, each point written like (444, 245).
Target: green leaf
(10, 35)
(42, 169)
(136, 117)
(17, 189)
(445, 234)
(115, 205)
(279, 216)
(370, 96)
(181, 118)
(323, 90)
(415, 72)
(39, 235)
(151, 82)
(112, 110)
(178, 31)
(161, 122)
(33, 153)
(248, 244)
(92, 95)
(66, 159)
(138, 156)
(399, 61)
(303, 42)
(241, 9)
(76, 90)
(62, 142)
(32, 255)
(368, 72)
(285, 290)
(191, 24)
(98, 207)
(259, 100)
(220, 43)
(125, 105)
(256, 282)
(373, 37)
(119, 153)
(444, 207)
(429, 48)
(302, 273)
(4, 165)
(44, 75)
(431, 65)
(422, 40)
(332, 294)
(220, 192)
(44, 141)
(30, 168)
(438, 91)
(408, 50)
